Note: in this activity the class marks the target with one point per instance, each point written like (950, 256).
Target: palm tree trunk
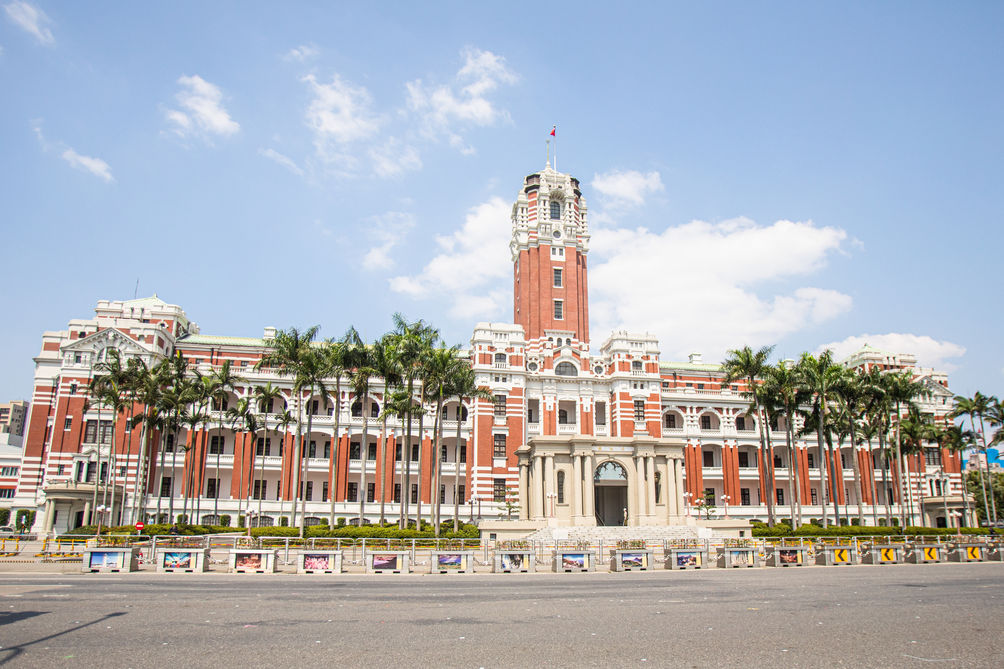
(301, 488)
(902, 469)
(772, 492)
(823, 461)
(456, 478)
(141, 473)
(97, 472)
(792, 475)
(992, 511)
(297, 458)
(406, 454)
(382, 466)
(334, 445)
(885, 473)
(421, 442)
(437, 460)
(364, 448)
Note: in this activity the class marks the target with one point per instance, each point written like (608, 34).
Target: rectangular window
(744, 496)
(463, 453)
(310, 491)
(500, 451)
(73, 388)
(461, 493)
(557, 278)
(932, 457)
(811, 460)
(91, 431)
(397, 493)
(264, 446)
(601, 413)
(705, 422)
(744, 459)
(559, 310)
(212, 488)
(165, 487)
(6, 493)
(499, 408)
(813, 496)
(312, 450)
(639, 410)
(259, 490)
(354, 450)
(843, 461)
(215, 445)
(371, 452)
(60, 469)
(324, 491)
(370, 492)
(498, 490)
(778, 463)
(327, 449)
(780, 495)
(741, 423)
(414, 493)
(169, 444)
(414, 452)
(442, 493)
(443, 456)
(68, 423)
(709, 458)
(352, 494)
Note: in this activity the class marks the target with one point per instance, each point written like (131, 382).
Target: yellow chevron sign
(930, 553)
(888, 554)
(841, 555)
(973, 553)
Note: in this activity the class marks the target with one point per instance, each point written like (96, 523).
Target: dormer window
(555, 211)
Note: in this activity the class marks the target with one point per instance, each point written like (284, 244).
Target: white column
(668, 488)
(548, 484)
(576, 487)
(639, 472)
(650, 484)
(524, 490)
(49, 513)
(590, 510)
(678, 493)
(536, 487)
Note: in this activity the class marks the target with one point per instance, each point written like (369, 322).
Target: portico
(585, 480)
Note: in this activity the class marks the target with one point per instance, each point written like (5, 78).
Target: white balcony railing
(567, 428)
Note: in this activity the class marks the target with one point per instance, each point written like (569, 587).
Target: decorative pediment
(107, 338)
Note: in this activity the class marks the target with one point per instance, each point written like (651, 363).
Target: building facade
(570, 437)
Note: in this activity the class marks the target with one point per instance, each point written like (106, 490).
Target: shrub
(4, 516)
(341, 522)
(181, 519)
(25, 518)
(225, 520)
(283, 521)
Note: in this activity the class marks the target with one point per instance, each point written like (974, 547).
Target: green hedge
(367, 532)
(153, 529)
(810, 530)
(4, 516)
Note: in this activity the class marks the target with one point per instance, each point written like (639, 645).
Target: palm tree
(291, 353)
(384, 360)
(337, 359)
(150, 384)
(244, 414)
(749, 365)
(264, 399)
(783, 391)
(223, 381)
(956, 440)
(191, 420)
(360, 380)
(849, 395)
(464, 388)
(820, 376)
(441, 368)
(114, 390)
(412, 340)
(915, 430)
(977, 407)
(401, 405)
(902, 389)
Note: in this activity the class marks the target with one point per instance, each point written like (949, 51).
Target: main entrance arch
(611, 485)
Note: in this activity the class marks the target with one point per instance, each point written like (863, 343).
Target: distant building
(13, 416)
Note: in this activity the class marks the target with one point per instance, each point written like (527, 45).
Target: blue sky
(800, 174)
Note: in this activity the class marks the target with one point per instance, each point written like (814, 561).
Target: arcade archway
(611, 486)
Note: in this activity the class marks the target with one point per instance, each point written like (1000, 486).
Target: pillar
(639, 471)
(49, 508)
(650, 485)
(668, 498)
(677, 494)
(590, 510)
(576, 487)
(537, 486)
(524, 490)
(548, 484)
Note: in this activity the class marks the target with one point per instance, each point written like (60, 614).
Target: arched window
(566, 369)
(658, 487)
(561, 487)
(636, 366)
(500, 358)
(669, 420)
(555, 210)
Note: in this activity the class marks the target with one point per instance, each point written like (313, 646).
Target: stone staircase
(613, 534)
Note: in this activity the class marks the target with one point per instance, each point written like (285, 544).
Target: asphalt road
(941, 615)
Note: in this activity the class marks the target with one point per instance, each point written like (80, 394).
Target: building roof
(219, 340)
(692, 366)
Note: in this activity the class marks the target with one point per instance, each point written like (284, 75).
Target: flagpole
(547, 144)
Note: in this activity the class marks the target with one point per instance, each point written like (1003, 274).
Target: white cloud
(339, 114)
(929, 351)
(471, 268)
(387, 231)
(393, 158)
(301, 53)
(202, 112)
(628, 187)
(696, 285)
(285, 161)
(95, 166)
(31, 19)
(444, 110)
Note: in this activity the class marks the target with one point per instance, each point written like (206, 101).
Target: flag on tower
(554, 129)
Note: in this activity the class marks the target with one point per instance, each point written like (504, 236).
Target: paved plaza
(881, 616)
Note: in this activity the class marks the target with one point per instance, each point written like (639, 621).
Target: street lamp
(725, 500)
(551, 496)
(686, 501)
